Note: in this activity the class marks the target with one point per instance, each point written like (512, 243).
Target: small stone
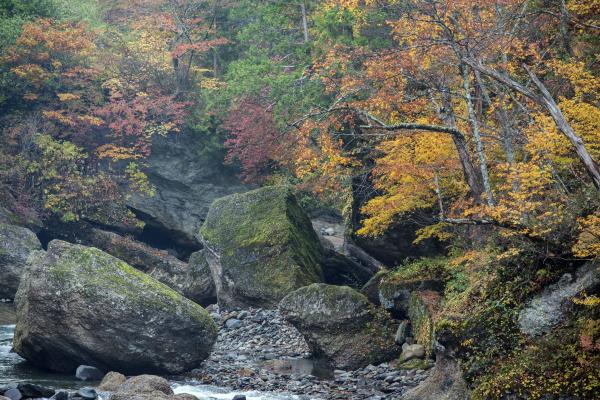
(87, 393)
(60, 395)
(88, 373)
(239, 397)
(29, 390)
(13, 394)
(233, 323)
(401, 333)
(412, 351)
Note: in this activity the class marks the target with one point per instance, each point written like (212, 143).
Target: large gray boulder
(260, 246)
(193, 280)
(187, 181)
(547, 310)
(79, 305)
(16, 243)
(341, 326)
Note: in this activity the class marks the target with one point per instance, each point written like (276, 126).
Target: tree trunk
(304, 22)
(477, 136)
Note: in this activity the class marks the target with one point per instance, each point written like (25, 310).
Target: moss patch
(265, 242)
(96, 273)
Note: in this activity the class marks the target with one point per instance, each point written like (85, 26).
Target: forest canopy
(481, 113)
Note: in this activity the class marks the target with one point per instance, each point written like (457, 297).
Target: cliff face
(186, 182)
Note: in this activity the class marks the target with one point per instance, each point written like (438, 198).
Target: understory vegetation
(484, 116)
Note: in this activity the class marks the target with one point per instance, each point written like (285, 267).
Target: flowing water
(14, 369)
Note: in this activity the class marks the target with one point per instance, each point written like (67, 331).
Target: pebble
(251, 340)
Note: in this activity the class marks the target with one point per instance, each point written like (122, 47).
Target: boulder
(143, 387)
(260, 246)
(402, 333)
(371, 288)
(79, 305)
(341, 326)
(422, 310)
(88, 373)
(187, 180)
(112, 382)
(13, 394)
(394, 294)
(16, 243)
(192, 280)
(551, 307)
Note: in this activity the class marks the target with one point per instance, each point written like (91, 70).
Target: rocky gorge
(284, 316)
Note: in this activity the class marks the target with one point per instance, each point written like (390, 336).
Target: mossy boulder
(422, 310)
(260, 246)
(193, 280)
(79, 305)
(341, 326)
(16, 243)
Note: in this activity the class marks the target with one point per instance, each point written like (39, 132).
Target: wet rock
(88, 373)
(60, 395)
(341, 325)
(87, 394)
(29, 390)
(402, 332)
(548, 309)
(260, 246)
(13, 394)
(16, 244)
(111, 316)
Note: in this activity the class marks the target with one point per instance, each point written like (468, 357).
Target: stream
(15, 369)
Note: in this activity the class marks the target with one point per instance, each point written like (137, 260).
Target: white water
(207, 392)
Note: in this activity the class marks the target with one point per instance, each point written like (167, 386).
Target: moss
(434, 268)
(415, 363)
(564, 364)
(421, 311)
(264, 236)
(95, 273)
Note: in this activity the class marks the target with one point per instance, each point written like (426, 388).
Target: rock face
(186, 184)
(341, 270)
(549, 309)
(340, 325)
(78, 305)
(422, 310)
(16, 243)
(394, 295)
(260, 246)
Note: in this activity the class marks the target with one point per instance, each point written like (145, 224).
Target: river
(13, 368)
